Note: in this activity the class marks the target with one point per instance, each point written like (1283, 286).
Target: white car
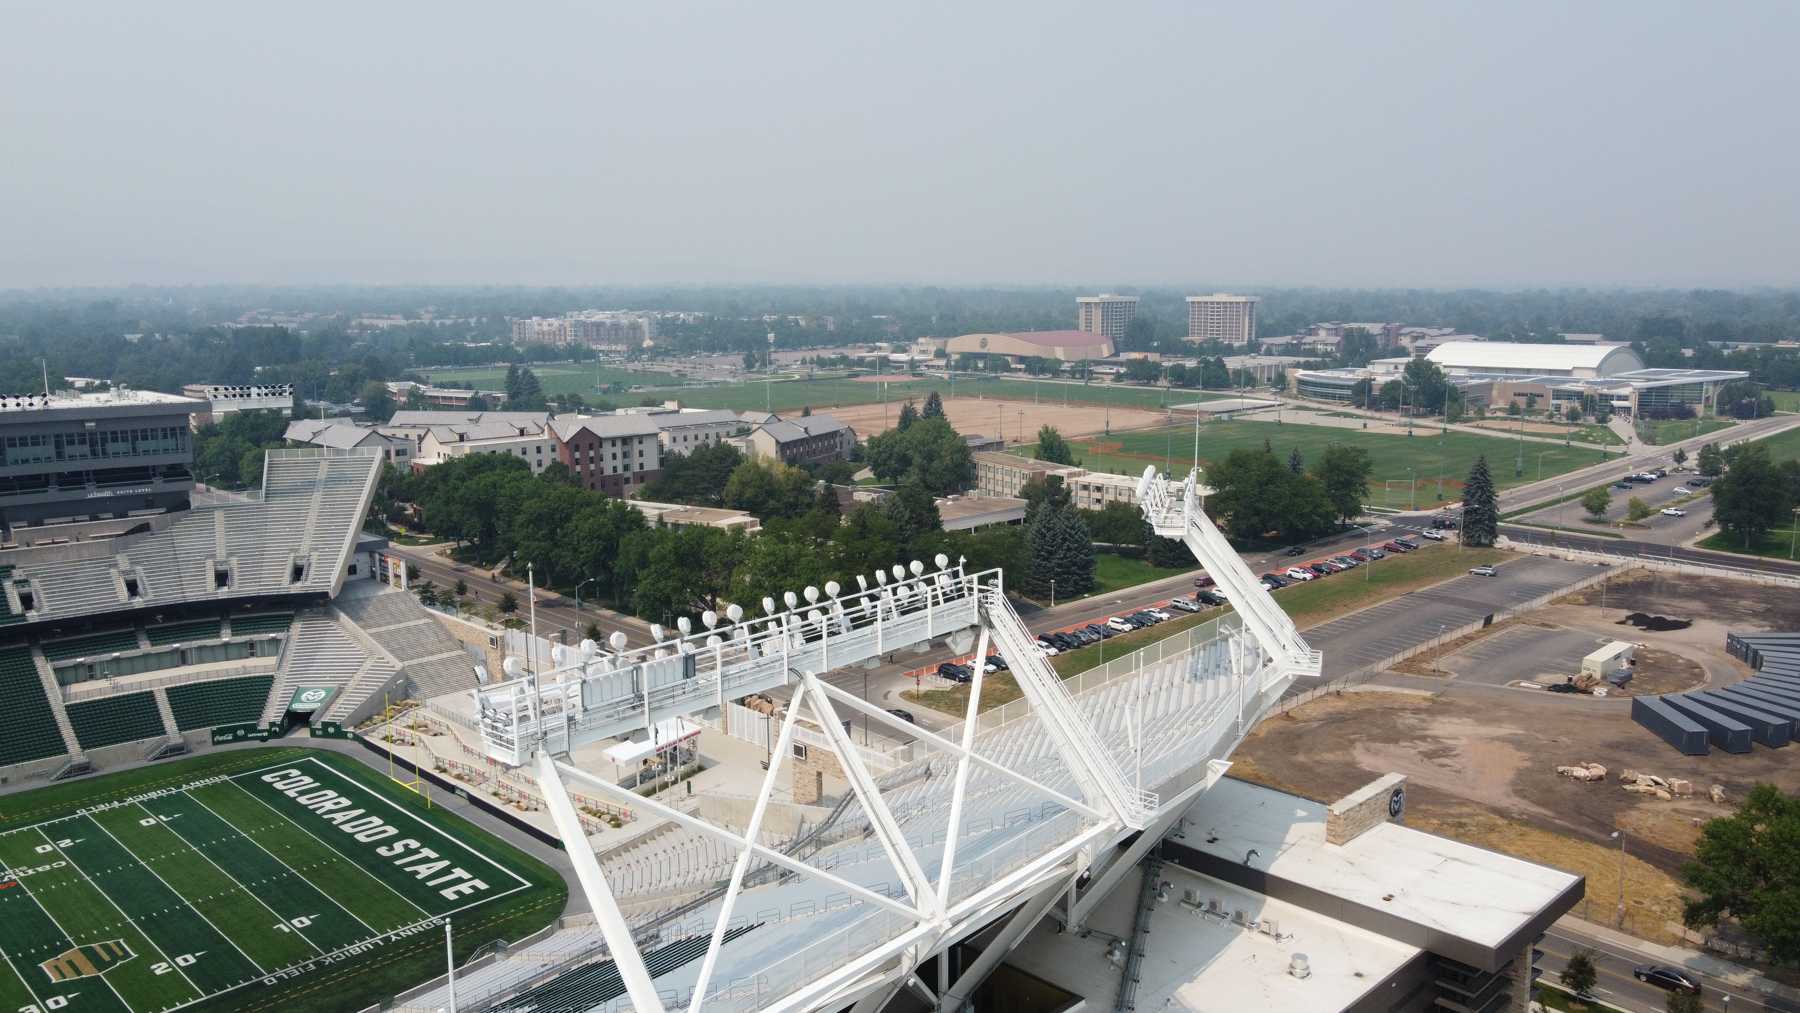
(1433, 534)
(1300, 573)
(1119, 624)
(1047, 647)
(1682, 490)
(1162, 614)
(1674, 512)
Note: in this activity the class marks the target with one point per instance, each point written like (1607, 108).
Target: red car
(1396, 547)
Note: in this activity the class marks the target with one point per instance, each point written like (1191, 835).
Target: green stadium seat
(7, 615)
(31, 732)
(90, 645)
(264, 622)
(115, 719)
(180, 633)
(222, 702)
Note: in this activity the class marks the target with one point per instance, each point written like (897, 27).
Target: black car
(1275, 579)
(1213, 598)
(1099, 632)
(1321, 569)
(1295, 550)
(1663, 976)
(904, 715)
(1409, 543)
(954, 672)
(998, 662)
(1068, 641)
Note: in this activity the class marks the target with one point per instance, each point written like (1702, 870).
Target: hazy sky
(1101, 144)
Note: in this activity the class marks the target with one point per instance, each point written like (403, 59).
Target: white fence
(1663, 564)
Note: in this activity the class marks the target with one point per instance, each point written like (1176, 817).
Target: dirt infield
(886, 378)
(1021, 419)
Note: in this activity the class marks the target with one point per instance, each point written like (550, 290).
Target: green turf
(1783, 446)
(1785, 400)
(1116, 572)
(561, 378)
(211, 878)
(788, 395)
(1675, 430)
(1433, 456)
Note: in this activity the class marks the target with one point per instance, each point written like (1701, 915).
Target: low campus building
(336, 434)
(1064, 346)
(613, 454)
(803, 439)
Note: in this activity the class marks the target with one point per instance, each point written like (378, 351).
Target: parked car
(1447, 522)
(1120, 624)
(1395, 547)
(1682, 490)
(1276, 579)
(1366, 555)
(1098, 630)
(998, 662)
(1295, 550)
(1376, 552)
(1320, 569)
(1409, 543)
(1268, 584)
(1664, 976)
(1673, 512)
(1623, 485)
(1347, 561)
(904, 715)
(1212, 598)
(1299, 573)
(1481, 571)
(1046, 646)
(954, 672)
(1433, 534)
(1162, 615)
(1184, 604)
(1203, 581)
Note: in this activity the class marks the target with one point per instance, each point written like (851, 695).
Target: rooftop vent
(1298, 967)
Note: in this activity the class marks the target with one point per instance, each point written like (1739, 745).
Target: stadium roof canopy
(1517, 357)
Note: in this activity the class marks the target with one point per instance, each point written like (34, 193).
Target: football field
(217, 890)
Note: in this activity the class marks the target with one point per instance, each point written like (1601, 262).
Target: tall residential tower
(1222, 317)
(1106, 314)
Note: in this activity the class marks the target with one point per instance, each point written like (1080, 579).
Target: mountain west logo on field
(90, 958)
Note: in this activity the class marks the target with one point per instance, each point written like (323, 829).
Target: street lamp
(1619, 835)
(1052, 592)
(578, 588)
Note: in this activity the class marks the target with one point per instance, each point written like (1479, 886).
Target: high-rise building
(1106, 314)
(1222, 317)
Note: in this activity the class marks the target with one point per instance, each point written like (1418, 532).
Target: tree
(908, 415)
(1481, 510)
(914, 512)
(1392, 395)
(378, 404)
(1579, 974)
(1752, 497)
(1062, 555)
(1596, 502)
(593, 632)
(697, 477)
(509, 602)
(1296, 462)
(1052, 447)
(769, 489)
(806, 411)
(1040, 491)
(1711, 463)
(523, 391)
(1117, 523)
(927, 451)
(1636, 509)
(1344, 473)
(1257, 495)
(934, 406)
(1426, 387)
(1746, 867)
(1681, 456)
(462, 588)
(1142, 371)
(1684, 1002)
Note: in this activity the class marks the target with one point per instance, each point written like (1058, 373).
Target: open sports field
(563, 378)
(1430, 456)
(1020, 420)
(254, 880)
(792, 395)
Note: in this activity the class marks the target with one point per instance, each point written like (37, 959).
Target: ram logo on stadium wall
(90, 958)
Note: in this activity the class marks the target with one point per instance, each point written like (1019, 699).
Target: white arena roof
(1519, 357)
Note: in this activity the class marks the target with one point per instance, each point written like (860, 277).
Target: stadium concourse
(1047, 835)
(146, 636)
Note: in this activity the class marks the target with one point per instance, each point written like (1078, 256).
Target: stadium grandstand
(142, 634)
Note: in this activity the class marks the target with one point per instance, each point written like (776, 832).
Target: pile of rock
(1584, 772)
(1662, 788)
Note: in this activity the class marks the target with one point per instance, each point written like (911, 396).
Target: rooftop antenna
(44, 364)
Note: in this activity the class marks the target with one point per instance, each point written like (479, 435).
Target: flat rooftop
(963, 512)
(116, 398)
(1449, 889)
(1197, 960)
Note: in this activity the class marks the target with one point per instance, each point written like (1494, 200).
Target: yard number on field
(54, 1002)
(184, 960)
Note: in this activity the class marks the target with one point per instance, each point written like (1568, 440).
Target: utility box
(1615, 657)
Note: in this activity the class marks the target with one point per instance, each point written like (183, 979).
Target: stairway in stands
(318, 653)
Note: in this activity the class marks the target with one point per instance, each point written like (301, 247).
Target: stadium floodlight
(881, 577)
(917, 568)
(899, 572)
(617, 641)
(685, 625)
(832, 588)
(657, 633)
(768, 605)
(942, 561)
(792, 599)
(709, 618)
(811, 593)
(862, 582)
(734, 612)
(715, 641)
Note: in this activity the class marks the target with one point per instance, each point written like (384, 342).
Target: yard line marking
(327, 847)
(115, 906)
(40, 906)
(177, 893)
(296, 874)
(228, 875)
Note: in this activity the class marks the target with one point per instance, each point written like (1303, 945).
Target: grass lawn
(261, 901)
(1308, 604)
(1783, 446)
(788, 395)
(1778, 544)
(1115, 572)
(556, 378)
(1785, 400)
(1439, 461)
(1674, 430)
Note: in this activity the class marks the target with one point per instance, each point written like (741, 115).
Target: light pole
(1620, 836)
(1052, 592)
(578, 588)
(1541, 454)
(1413, 480)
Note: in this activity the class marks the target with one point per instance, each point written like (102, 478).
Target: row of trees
(1755, 495)
(1259, 494)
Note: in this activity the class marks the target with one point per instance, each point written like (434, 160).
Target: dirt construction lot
(1481, 753)
(1022, 419)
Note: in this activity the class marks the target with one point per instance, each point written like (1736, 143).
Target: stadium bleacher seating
(179, 633)
(262, 622)
(92, 644)
(115, 719)
(7, 615)
(31, 732)
(220, 702)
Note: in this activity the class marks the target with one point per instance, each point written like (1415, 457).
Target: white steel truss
(1201, 701)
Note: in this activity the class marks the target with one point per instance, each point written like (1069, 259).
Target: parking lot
(1373, 634)
(1522, 653)
(1657, 495)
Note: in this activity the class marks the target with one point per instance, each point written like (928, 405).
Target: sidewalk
(1714, 968)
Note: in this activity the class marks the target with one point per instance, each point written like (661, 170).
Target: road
(445, 572)
(1613, 964)
(1657, 527)
(1643, 549)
